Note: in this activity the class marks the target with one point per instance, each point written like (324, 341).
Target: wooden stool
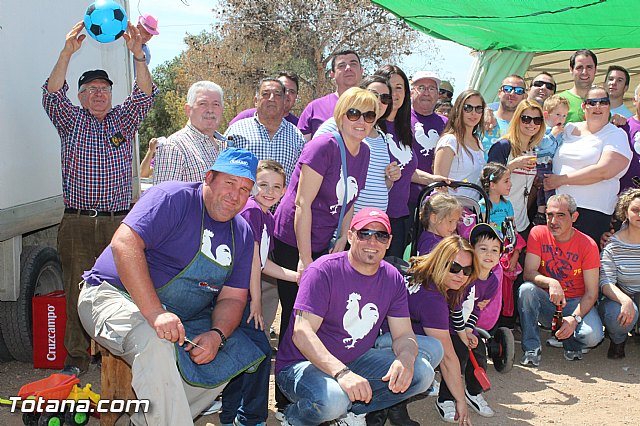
(115, 383)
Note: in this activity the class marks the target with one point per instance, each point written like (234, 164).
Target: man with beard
(510, 93)
(188, 153)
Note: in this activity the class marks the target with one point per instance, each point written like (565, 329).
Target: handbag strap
(343, 157)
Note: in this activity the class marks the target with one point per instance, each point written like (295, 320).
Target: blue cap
(484, 228)
(237, 162)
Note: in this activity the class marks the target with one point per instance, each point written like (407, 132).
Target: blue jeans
(316, 397)
(609, 311)
(534, 306)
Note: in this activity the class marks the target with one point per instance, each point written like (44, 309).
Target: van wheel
(40, 273)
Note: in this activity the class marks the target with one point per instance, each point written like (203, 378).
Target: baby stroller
(499, 340)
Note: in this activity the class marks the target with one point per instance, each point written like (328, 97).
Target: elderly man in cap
(171, 288)
(332, 362)
(97, 141)
(148, 27)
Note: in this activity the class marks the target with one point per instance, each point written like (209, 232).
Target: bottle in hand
(556, 322)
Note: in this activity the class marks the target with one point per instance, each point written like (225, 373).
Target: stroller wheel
(501, 349)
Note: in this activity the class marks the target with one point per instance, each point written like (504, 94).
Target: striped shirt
(96, 155)
(186, 156)
(620, 265)
(375, 192)
(285, 147)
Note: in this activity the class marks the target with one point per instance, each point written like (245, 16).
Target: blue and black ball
(105, 21)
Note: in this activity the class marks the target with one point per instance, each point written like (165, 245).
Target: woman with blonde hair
(516, 150)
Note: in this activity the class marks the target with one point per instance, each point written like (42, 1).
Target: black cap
(94, 75)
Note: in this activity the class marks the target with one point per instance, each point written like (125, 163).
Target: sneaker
(237, 422)
(279, 415)
(447, 411)
(573, 355)
(553, 342)
(215, 408)
(434, 389)
(272, 333)
(284, 421)
(479, 404)
(351, 419)
(72, 370)
(532, 357)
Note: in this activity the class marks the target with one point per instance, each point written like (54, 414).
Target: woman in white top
(588, 165)
(459, 154)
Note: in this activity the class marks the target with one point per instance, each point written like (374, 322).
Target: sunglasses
(366, 234)
(455, 268)
(597, 101)
(526, 119)
(449, 93)
(385, 98)
(540, 83)
(477, 108)
(355, 114)
(508, 89)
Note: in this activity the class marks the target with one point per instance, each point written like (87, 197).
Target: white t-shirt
(578, 152)
(465, 165)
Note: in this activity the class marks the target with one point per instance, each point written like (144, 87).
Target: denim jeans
(534, 306)
(316, 397)
(609, 311)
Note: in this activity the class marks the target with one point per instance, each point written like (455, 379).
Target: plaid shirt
(186, 156)
(285, 147)
(96, 155)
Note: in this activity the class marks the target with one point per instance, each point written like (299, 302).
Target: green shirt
(575, 106)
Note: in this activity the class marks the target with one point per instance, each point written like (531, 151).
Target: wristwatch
(223, 339)
(577, 317)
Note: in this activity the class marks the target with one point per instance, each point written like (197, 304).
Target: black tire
(504, 363)
(51, 419)
(76, 418)
(5, 355)
(40, 273)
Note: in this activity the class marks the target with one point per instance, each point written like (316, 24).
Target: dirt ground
(594, 391)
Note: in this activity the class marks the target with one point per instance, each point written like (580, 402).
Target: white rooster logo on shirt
(400, 151)
(223, 252)
(264, 245)
(352, 188)
(469, 303)
(358, 322)
(426, 141)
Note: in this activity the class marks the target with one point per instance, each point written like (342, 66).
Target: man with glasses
(446, 91)
(510, 93)
(582, 65)
(542, 87)
(290, 81)
(333, 344)
(97, 143)
(346, 72)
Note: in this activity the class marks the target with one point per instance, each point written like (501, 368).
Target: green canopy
(526, 26)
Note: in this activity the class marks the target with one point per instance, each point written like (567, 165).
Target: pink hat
(368, 215)
(149, 23)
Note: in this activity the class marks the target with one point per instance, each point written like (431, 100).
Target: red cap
(368, 215)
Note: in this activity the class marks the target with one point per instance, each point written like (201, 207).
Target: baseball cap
(149, 23)
(237, 162)
(425, 74)
(483, 229)
(446, 86)
(94, 75)
(368, 215)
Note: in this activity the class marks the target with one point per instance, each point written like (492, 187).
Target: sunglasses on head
(366, 234)
(526, 119)
(449, 93)
(597, 101)
(455, 268)
(468, 108)
(549, 86)
(385, 98)
(508, 89)
(355, 114)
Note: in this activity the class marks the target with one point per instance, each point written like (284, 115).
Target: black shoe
(399, 416)
(377, 418)
(616, 351)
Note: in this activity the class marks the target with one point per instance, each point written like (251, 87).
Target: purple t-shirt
(322, 154)
(248, 113)
(168, 218)
(633, 133)
(426, 132)
(351, 305)
(428, 309)
(408, 162)
(262, 225)
(427, 241)
(476, 292)
(317, 112)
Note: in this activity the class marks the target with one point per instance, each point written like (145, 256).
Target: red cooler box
(49, 320)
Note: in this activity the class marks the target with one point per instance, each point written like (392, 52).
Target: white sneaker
(215, 408)
(553, 342)
(434, 389)
(532, 357)
(351, 419)
(279, 415)
(479, 404)
(285, 422)
(447, 411)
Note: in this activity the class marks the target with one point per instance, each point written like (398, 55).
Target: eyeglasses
(597, 101)
(527, 119)
(508, 89)
(355, 114)
(540, 83)
(477, 108)
(422, 88)
(385, 98)
(455, 268)
(92, 90)
(366, 234)
(449, 93)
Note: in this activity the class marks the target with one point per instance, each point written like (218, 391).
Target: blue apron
(191, 295)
